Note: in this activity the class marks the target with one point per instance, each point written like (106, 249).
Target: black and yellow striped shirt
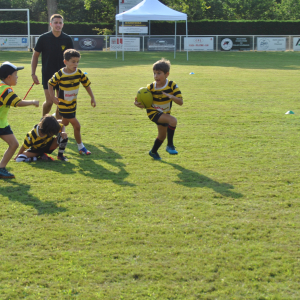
(34, 141)
(68, 88)
(162, 102)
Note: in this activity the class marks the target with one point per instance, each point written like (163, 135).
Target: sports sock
(62, 144)
(171, 131)
(80, 146)
(156, 145)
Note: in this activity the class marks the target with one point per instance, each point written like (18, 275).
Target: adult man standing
(52, 45)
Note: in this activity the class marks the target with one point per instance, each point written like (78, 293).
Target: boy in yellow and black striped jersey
(40, 141)
(68, 79)
(164, 92)
(9, 78)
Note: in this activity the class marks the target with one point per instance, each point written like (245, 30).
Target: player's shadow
(21, 193)
(190, 178)
(114, 169)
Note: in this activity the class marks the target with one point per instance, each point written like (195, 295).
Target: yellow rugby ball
(145, 97)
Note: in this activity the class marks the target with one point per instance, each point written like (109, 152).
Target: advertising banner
(236, 43)
(163, 44)
(88, 43)
(199, 44)
(296, 43)
(134, 27)
(127, 4)
(13, 42)
(271, 44)
(130, 44)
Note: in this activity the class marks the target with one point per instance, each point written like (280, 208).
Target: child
(8, 78)
(40, 141)
(68, 79)
(164, 92)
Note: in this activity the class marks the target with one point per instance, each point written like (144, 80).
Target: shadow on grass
(190, 178)
(90, 166)
(21, 192)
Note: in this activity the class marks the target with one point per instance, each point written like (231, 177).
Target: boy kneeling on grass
(40, 141)
(9, 78)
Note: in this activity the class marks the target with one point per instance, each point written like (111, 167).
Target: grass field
(218, 221)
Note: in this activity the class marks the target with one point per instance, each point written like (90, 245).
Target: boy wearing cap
(8, 78)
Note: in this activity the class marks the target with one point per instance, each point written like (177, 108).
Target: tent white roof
(150, 10)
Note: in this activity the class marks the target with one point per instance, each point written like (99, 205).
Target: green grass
(218, 221)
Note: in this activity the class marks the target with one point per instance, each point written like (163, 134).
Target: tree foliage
(105, 10)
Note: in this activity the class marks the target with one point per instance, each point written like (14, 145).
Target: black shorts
(45, 84)
(44, 149)
(68, 116)
(6, 131)
(155, 116)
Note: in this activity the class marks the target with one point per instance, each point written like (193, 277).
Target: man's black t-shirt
(52, 49)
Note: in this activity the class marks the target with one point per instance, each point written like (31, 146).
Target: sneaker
(155, 155)
(62, 158)
(84, 151)
(46, 157)
(171, 150)
(5, 174)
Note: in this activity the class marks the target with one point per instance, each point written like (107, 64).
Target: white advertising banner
(271, 44)
(296, 43)
(13, 42)
(134, 29)
(130, 44)
(125, 5)
(199, 43)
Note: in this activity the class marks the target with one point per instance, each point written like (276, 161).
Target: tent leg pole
(116, 37)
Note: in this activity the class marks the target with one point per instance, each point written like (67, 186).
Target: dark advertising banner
(88, 43)
(163, 44)
(235, 43)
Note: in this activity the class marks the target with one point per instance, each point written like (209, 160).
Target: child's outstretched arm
(177, 100)
(93, 101)
(52, 94)
(28, 102)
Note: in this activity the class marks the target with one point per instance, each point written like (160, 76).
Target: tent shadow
(21, 193)
(191, 178)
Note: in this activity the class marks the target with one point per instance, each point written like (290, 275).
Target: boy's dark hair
(162, 65)
(68, 54)
(49, 125)
(56, 16)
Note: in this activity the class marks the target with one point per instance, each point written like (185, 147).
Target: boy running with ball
(68, 79)
(164, 92)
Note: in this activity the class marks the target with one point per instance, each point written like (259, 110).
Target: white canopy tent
(151, 10)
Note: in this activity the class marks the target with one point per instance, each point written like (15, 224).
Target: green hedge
(204, 27)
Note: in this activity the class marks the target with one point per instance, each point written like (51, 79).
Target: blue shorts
(6, 131)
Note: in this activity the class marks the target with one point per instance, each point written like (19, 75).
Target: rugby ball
(145, 97)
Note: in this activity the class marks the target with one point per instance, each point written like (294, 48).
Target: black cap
(8, 68)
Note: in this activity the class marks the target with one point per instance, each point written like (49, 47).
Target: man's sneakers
(62, 158)
(84, 151)
(154, 155)
(171, 150)
(4, 174)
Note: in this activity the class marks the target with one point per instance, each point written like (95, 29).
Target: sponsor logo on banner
(163, 44)
(226, 44)
(88, 43)
(130, 44)
(271, 44)
(296, 43)
(15, 42)
(199, 44)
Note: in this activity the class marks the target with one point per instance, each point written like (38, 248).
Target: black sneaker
(5, 174)
(155, 155)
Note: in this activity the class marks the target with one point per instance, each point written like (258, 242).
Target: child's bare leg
(76, 126)
(172, 121)
(13, 145)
